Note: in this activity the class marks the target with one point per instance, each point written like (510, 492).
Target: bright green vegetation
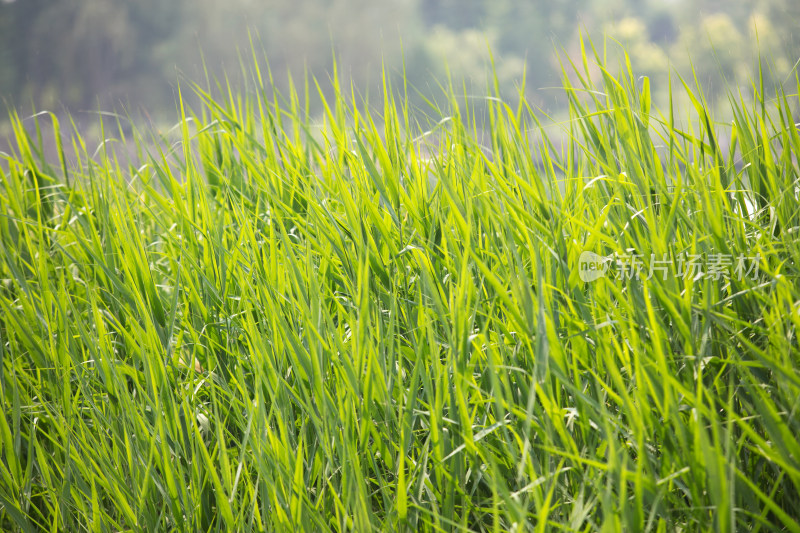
(273, 323)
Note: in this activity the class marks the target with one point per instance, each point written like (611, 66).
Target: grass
(264, 322)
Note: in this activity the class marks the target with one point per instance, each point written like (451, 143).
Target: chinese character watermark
(633, 266)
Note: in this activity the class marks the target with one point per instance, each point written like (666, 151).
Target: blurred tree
(647, 58)
(84, 46)
(784, 16)
(16, 20)
(536, 30)
(662, 27)
(76, 51)
(716, 50)
(8, 62)
(465, 53)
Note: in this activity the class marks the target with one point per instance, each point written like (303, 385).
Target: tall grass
(266, 322)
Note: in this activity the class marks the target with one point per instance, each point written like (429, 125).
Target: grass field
(370, 322)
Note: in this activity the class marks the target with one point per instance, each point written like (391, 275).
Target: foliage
(90, 54)
(262, 322)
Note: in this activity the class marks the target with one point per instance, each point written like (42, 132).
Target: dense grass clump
(361, 323)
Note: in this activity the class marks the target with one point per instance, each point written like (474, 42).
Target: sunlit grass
(366, 323)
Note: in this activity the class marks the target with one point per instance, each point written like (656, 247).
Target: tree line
(85, 54)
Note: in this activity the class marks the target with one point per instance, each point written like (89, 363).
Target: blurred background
(80, 56)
